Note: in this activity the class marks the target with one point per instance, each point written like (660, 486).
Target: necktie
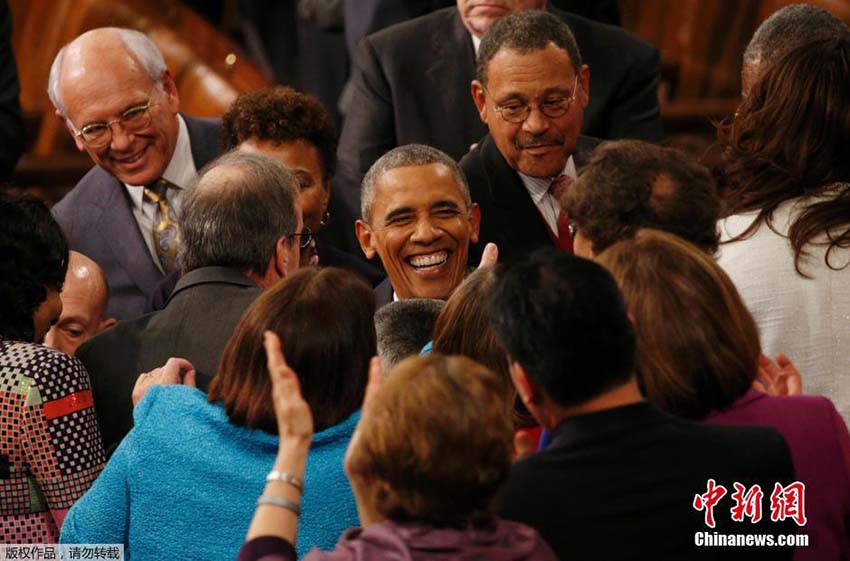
(166, 238)
(557, 189)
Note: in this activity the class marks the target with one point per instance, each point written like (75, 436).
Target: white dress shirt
(181, 171)
(548, 205)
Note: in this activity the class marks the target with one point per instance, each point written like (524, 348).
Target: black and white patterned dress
(50, 447)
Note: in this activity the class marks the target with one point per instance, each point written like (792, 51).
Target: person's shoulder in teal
(185, 467)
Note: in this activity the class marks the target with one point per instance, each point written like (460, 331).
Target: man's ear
(479, 96)
(106, 324)
(67, 124)
(475, 222)
(171, 94)
(281, 262)
(584, 86)
(364, 235)
(527, 388)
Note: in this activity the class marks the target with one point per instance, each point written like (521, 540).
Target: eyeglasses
(133, 120)
(517, 112)
(305, 237)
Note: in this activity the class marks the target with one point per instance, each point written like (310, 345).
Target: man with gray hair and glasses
(119, 102)
(242, 231)
(784, 31)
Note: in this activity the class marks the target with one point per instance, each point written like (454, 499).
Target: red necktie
(557, 189)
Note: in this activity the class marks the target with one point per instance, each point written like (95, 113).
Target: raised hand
(294, 419)
(166, 375)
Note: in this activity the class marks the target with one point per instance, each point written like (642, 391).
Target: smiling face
(421, 228)
(303, 160)
(540, 145)
(99, 82)
(479, 15)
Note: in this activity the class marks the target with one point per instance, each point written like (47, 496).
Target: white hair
(140, 46)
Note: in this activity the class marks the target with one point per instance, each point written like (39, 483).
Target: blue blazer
(97, 218)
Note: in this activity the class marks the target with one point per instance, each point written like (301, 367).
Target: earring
(325, 218)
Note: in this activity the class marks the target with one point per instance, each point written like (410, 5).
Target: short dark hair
(563, 319)
(33, 257)
(280, 114)
(323, 317)
(435, 443)
(235, 219)
(408, 155)
(789, 28)
(526, 31)
(630, 184)
(404, 327)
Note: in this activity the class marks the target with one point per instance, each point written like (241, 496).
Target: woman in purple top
(698, 357)
(431, 450)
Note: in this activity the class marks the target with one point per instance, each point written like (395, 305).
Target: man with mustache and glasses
(531, 91)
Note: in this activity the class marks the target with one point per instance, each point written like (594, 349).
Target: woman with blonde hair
(698, 354)
(431, 450)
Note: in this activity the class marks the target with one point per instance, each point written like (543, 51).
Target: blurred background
(217, 49)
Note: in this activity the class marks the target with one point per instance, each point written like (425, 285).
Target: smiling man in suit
(410, 82)
(119, 102)
(531, 91)
(417, 216)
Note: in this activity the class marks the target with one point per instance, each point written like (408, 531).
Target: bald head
(84, 298)
(99, 53)
(241, 212)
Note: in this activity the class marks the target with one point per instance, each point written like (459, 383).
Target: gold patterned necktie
(166, 238)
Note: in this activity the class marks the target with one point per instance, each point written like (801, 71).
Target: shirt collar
(476, 42)
(538, 187)
(181, 169)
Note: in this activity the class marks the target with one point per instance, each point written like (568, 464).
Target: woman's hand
(778, 378)
(294, 419)
(166, 375)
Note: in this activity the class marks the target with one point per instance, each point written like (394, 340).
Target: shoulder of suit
(617, 39)
(105, 344)
(411, 34)
(209, 123)
(95, 188)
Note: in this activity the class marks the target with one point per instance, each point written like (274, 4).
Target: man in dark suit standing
(410, 82)
(113, 92)
(619, 479)
(531, 91)
(419, 219)
(242, 232)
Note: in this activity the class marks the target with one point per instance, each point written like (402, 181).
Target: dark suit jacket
(97, 219)
(411, 83)
(383, 294)
(508, 215)
(196, 324)
(619, 484)
(13, 136)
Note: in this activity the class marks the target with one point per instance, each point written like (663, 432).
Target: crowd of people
(494, 321)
